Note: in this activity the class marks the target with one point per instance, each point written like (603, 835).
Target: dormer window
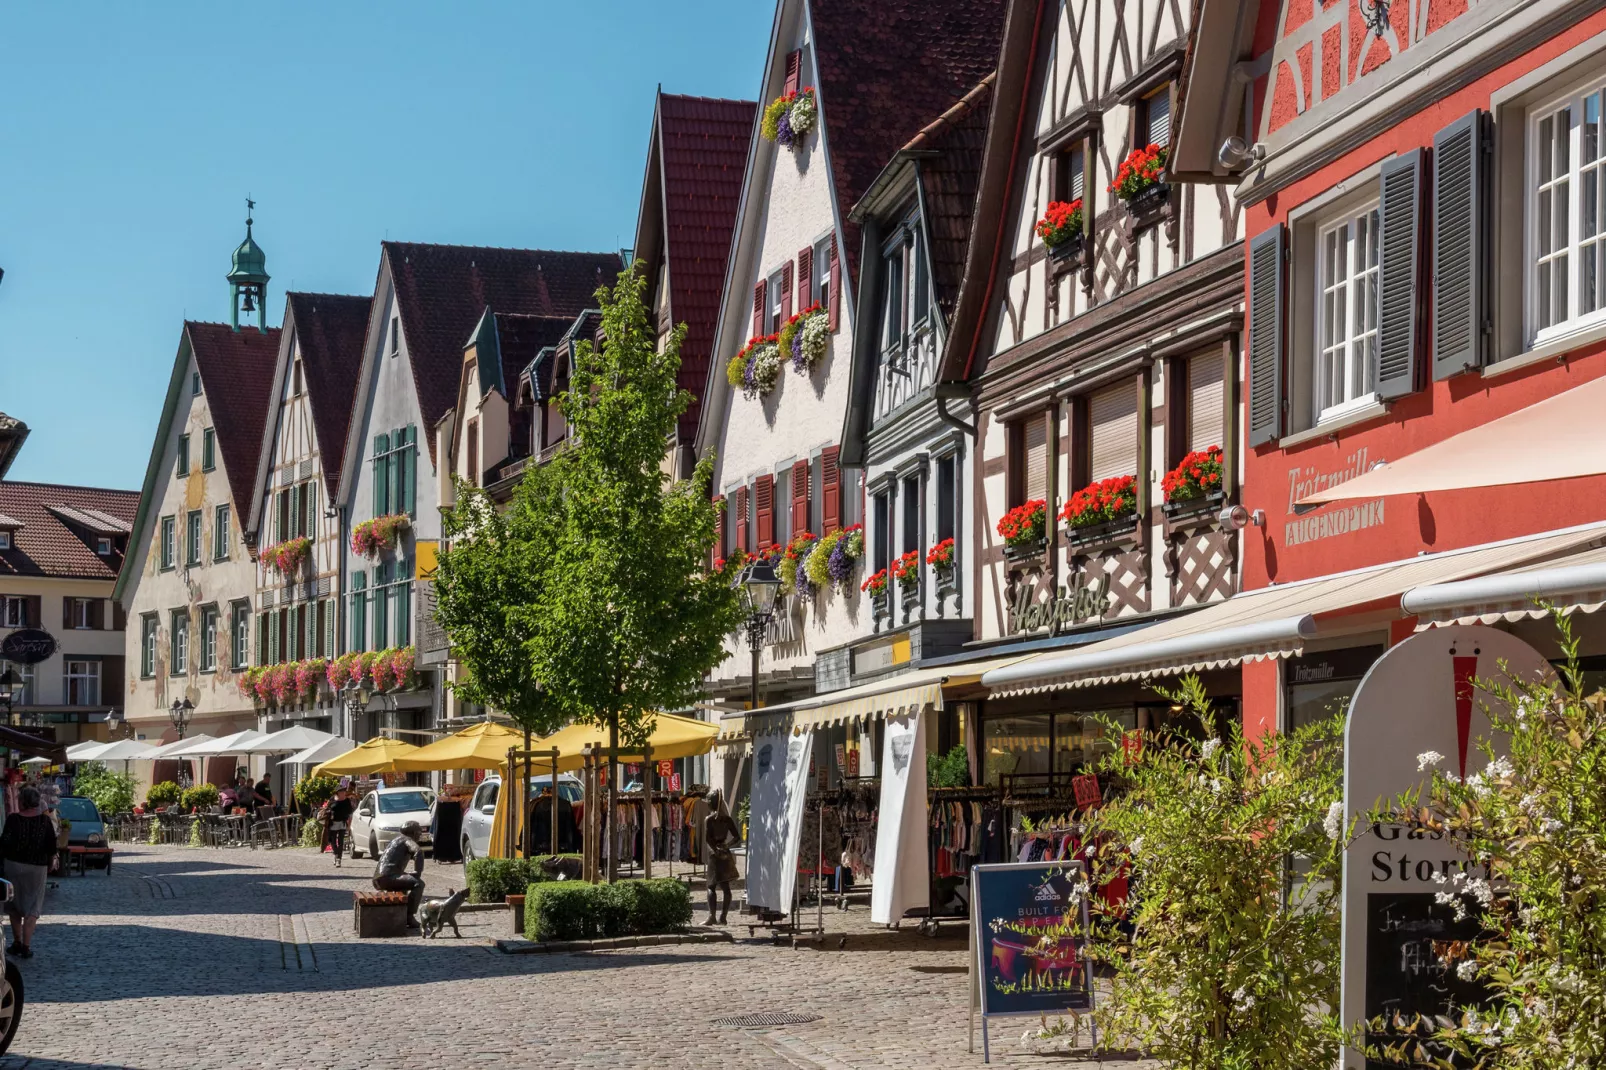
(5, 539)
(905, 297)
(395, 335)
(195, 384)
(103, 547)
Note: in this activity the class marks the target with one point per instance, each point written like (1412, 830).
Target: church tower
(248, 278)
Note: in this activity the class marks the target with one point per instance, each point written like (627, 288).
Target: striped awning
(1572, 584)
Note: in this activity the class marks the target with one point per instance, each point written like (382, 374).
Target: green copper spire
(248, 277)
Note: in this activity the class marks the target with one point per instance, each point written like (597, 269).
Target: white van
(482, 809)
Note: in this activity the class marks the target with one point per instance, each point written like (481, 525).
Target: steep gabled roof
(59, 525)
(696, 160)
(948, 179)
(886, 67)
(13, 433)
(443, 290)
(518, 340)
(237, 374)
(330, 329)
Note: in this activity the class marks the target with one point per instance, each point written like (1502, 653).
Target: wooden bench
(76, 856)
(376, 913)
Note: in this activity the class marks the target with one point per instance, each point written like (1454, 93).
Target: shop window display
(1015, 745)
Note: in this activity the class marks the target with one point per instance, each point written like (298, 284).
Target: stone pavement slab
(203, 958)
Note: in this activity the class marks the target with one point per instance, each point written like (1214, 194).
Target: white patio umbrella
(83, 752)
(332, 747)
(289, 741)
(238, 743)
(35, 761)
(171, 750)
(124, 750)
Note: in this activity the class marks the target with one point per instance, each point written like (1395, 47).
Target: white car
(481, 810)
(382, 813)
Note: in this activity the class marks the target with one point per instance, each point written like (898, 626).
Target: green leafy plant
(195, 834)
(164, 794)
(313, 791)
(1216, 962)
(492, 880)
(951, 770)
(112, 793)
(1536, 816)
(201, 796)
(573, 910)
(311, 834)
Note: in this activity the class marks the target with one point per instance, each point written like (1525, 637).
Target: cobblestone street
(206, 958)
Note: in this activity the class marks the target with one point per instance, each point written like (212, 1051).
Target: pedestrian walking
(392, 875)
(27, 843)
(337, 814)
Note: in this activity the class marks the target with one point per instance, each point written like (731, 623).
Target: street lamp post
(179, 714)
(759, 585)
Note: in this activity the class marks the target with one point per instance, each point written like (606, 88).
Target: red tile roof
(950, 180)
(443, 290)
(49, 545)
(701, 148)
(237, 374)
(330, 329)
(886, 67)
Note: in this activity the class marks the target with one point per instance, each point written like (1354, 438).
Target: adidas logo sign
(1047, 894)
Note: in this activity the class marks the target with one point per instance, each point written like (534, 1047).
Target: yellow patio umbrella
(374, 756)
(480, 746)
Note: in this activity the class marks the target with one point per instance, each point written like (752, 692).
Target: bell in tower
(248, 278)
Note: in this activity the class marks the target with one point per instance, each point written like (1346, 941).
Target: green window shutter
(359, 611)
(381, 481)
(1266, 336)
(404, 605)
(273, 638)
(1399, 205)
(393, 471)
(408, 461)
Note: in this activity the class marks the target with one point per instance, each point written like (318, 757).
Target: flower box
(1192, 508)
(1024, 525)
(880, 605)
(1149, 204)
(1068, 253)
(1098, 534)
(1023, 551)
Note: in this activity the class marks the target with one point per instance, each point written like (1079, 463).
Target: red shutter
(758, 309)
(830, 489)
(836, 288)
(786, 292)
(741, 518)
(805, 278)
(719, 527)
(800, 497)
(764, 502)
(794, 70)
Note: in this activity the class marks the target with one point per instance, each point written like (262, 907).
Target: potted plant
(757, 368)
(1195, 484)
(790, 117)
(941, 559)
(1024, 528)
(286, 557)
(1138, 181)
(831, 562)
(794, 577)
(1100, 509)
(370, 538)
(1061, 229)
(906, 570)
(804, 338)
(876, 587)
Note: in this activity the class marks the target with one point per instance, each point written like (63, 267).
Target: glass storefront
(1321, 685)
(1042, 743)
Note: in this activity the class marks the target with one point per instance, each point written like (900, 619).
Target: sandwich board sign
(1421, 696)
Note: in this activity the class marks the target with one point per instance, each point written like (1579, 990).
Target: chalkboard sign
(1031, 937)
(1413, 945)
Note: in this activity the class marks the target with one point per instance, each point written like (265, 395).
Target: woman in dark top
(27, 843)
(339, 811)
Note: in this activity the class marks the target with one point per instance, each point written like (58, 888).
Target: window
(404, 603)
(183, 455)
(220, 533)
(1069, 172)
(947, 503)
(773, 316)
(195, 383)
(1346, 320)
(240, 634)
(905, 297)
(208, 652)
(81, 613)
(14, 611)
(1113, 437)
(167, 542)
(820, 266)
(892, 308)
(306, 505)
(208, 449)
(1567, 214)
(178, 653)
(295, 379)
(147, 645)
(359, 611)
(103, 546)
(1026, 460)
(395, 335)
(395, 471)
(881, 548)
(192, 539)
(83, 682)
(22, 693)
(5, 539)
(473, 453)
(1154, 118)
(910, 492)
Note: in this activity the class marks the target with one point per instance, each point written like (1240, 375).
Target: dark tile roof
(443, 290)
(519, 339)
(92, 520)
(701, 150)
(330, 329)
(237, 374)
(886, 67)
(13, 433)
(49, 544)
(950, 179)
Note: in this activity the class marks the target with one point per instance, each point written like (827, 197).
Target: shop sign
(28, 646)
(1074, 604)
(1348, 664)
(1342, 521)
(875, 657)
(1420, 696)
(1030, 939)
(666, 768)
(1087, 791)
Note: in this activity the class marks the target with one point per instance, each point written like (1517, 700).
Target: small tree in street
(1225, 956)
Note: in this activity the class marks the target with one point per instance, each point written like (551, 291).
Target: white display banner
(902, 870)
(1420, 697)
(775, 819)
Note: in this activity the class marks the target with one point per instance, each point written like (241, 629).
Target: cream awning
(1573, 583)
(1273, 621)
(1561, 437)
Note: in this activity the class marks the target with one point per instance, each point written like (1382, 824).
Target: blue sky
(130, 135)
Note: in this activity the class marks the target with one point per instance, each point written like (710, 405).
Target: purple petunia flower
(783, 130)
(747, 375)
(799, 363)
(839, 564)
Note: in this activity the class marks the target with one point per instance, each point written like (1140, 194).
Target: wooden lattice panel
(1128, 573)
(1203, 566)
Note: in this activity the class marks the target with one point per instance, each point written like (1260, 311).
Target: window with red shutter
(835, 298)
(758, 309)
(794, 70)
(764, 503)
(741, 519)
(800, 497)
(805, 277)
(830, 489)
(786, 293)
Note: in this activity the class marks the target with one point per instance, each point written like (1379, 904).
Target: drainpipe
(943, 397)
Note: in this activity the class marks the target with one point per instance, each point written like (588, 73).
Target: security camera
(1237, 517)
(1236, 155)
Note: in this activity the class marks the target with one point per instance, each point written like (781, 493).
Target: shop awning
(1273, 621)
(24, 743)
(329, 748)
(85, 751)
(1561, 437)
(1573, 583)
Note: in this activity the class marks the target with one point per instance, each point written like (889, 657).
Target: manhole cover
(765, 1019)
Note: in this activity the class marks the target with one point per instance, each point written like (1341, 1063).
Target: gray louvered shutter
(1460, 246)
(1266, 336)
(1399, 196)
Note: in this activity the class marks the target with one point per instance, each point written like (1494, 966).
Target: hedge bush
(492, 880)
(164, 794)
(203, 796)
(573, 910)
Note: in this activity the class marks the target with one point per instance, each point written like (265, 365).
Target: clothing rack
(965, 826)
(676, 828)
(816, 805)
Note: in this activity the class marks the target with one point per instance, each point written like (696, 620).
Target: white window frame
(80, 614)
(220, 533)
(208, 651)
(820, 265)
(194, 537)
(1572, 320)
(1354, 352)
(772, 303)
(169, 539)
(87, 670)
(179, 643)
(14, 612)
(103, 546)
(240, 633)
(149, 623)
(5, 539)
